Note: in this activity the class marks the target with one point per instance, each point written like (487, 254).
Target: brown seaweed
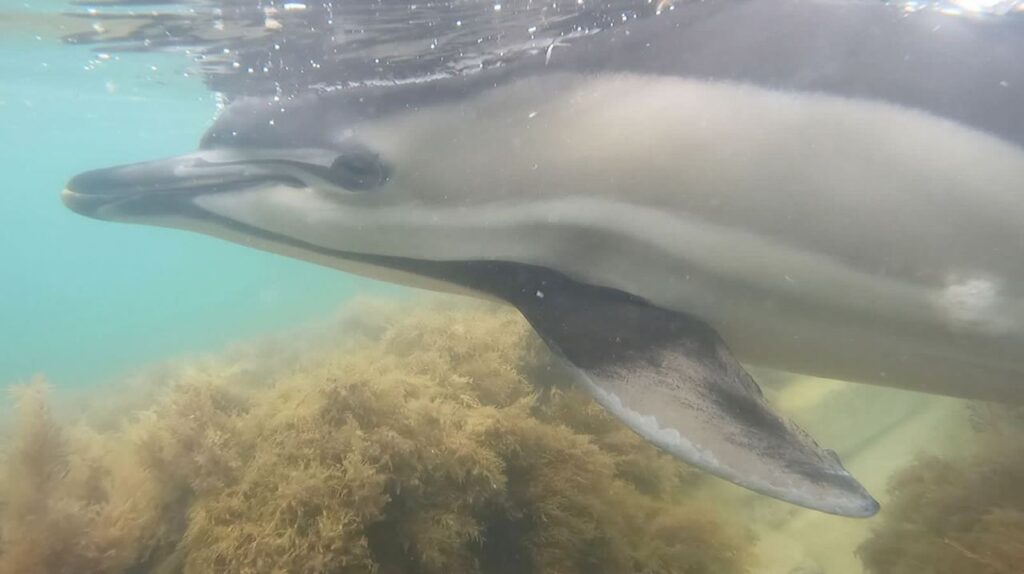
(951, 515)
(409, 439)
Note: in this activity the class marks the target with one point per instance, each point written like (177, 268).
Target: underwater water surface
(81, 301)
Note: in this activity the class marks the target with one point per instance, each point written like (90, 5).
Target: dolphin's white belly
(818, 234)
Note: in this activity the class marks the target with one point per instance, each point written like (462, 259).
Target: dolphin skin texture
(830, 188)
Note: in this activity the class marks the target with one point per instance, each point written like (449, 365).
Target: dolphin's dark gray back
(966, 69)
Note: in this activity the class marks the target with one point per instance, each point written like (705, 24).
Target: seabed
(434, 435)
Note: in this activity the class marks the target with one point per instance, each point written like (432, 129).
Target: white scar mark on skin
(972, 304)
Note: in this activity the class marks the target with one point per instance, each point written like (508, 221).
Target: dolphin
(823, 187)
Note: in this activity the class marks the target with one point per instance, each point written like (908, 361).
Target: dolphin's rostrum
(839, 198)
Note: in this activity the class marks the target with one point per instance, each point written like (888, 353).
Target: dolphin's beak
(92, 193)
(165, 186)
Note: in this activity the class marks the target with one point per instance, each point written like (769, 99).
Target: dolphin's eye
(358, 169)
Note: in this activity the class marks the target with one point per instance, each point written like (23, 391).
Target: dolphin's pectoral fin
(671, 378)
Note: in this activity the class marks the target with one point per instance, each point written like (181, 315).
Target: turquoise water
(83, 301)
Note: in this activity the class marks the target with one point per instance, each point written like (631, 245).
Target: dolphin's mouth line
(193, 188)
(94, 204)
(183, 207)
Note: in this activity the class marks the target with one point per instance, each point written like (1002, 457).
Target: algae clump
(404, 439)
(951, 515)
